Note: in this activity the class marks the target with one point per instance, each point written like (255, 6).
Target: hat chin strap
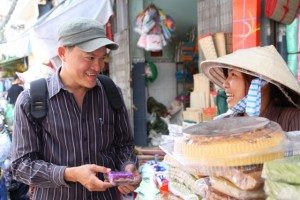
(251, 103)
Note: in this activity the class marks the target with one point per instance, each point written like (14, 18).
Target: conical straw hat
(264, 62)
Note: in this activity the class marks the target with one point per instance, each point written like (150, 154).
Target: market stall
(235, 158)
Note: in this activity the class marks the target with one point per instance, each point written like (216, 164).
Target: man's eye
(90, 58)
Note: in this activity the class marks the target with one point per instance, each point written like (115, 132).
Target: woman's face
(235, 87)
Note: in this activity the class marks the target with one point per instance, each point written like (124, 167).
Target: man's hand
(86, 175)
(125, 189)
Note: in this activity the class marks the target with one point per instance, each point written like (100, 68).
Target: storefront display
(155, 28)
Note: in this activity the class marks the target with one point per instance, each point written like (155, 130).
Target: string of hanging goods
(155, 28)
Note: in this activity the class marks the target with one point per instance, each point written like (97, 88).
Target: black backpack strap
(112, 92)
(38, 99)
(38, 107)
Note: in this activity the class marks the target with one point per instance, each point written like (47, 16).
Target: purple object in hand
(119, 178)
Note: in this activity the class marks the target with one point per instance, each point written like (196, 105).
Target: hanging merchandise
(283, 11)
(154, 27)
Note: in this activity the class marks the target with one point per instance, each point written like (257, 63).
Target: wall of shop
(163, 89)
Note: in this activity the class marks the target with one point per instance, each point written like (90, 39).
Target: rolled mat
(283, 11)
(222, 22)
(208, 47)
(219, 41)
(292, 36)
(293, 63)
(228, 38)
(246, 23)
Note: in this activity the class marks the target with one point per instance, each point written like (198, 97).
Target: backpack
(38, 104)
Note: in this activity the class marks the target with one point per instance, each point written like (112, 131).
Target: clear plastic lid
(227, 126)
(289, 147)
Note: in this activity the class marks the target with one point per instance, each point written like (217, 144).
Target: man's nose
(98, 64)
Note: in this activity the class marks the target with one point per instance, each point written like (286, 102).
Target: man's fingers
(101, 169)
(97, 185)
(125, 189)
(130, 168)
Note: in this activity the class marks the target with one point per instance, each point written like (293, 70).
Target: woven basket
(208, 48)
(276, 10)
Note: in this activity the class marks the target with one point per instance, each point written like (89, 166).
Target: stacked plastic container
(228, 155)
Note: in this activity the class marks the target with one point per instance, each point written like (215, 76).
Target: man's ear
(61, 53)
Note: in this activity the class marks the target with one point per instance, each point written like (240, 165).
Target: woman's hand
(87, 176)
(125, 189)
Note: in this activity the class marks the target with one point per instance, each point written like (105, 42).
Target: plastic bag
(5, 144)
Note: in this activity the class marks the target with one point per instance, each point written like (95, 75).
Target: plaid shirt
(95, 135)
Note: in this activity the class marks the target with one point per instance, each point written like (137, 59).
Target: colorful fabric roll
(292, 36)
(283, 11)
(246, 23)
(298, 67)
(293, 63)
(298, 42)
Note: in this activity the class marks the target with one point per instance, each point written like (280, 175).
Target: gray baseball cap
(85, 33)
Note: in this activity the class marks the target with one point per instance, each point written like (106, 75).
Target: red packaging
(246, 23)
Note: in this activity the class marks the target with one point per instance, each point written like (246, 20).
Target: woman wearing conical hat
(257, 82)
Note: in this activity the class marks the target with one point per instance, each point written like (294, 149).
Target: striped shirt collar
(55, 84)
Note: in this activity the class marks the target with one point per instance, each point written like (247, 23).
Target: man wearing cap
(83, 137)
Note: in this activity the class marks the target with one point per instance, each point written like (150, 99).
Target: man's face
(82, 67)
(235, 87)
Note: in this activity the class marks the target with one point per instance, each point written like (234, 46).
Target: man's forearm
(38, 173)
